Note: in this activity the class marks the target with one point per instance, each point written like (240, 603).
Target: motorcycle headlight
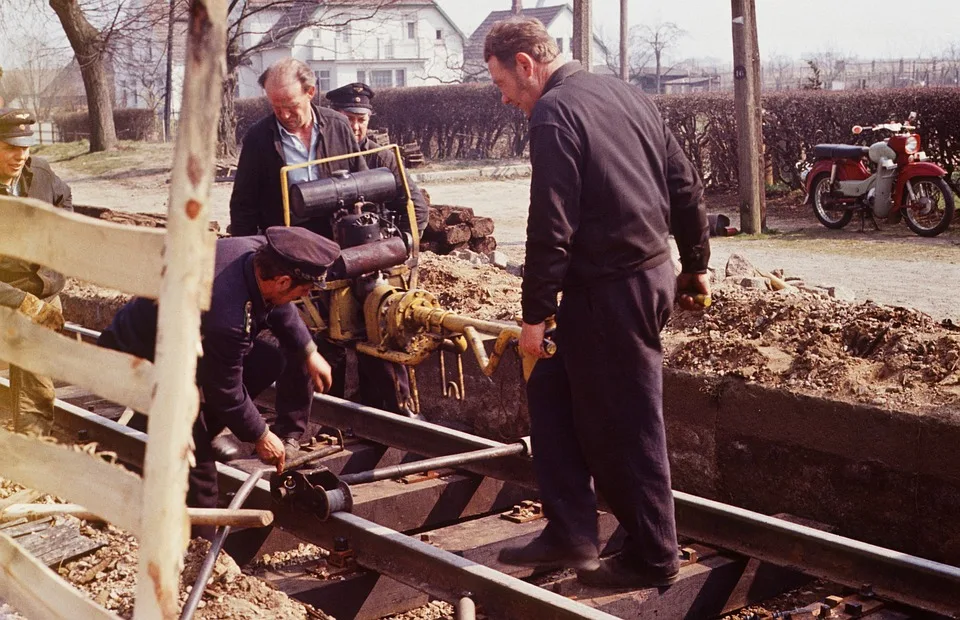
(912, 145)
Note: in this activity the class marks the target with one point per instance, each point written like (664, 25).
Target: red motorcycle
(839, 183)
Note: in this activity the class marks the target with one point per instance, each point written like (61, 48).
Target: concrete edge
(488, 173)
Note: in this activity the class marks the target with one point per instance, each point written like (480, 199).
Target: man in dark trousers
(30, 288)
(355, 102)
(255, 279)
(609, 184)
(297, 132)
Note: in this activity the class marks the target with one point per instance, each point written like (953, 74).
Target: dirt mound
(798, 339)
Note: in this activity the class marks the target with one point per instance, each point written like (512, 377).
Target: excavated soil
(800, 339)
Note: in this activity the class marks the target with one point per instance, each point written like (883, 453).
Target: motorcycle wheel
(831, 218)
(932, 211)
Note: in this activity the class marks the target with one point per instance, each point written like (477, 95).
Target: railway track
(437, 534)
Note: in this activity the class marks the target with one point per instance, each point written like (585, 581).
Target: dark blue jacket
(237, 315)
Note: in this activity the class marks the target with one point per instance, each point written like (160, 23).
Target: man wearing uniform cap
(255, 279)
(354, 102)
(382, 384)
(28, 287)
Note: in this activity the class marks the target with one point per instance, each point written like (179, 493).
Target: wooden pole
(624, 59)
(184, 292)
(582, 27)
(746, 89)
(234, 517)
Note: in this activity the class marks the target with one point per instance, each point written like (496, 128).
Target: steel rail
(901, 577)
(418, 467)
(422, 566)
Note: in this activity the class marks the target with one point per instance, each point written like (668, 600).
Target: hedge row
(130, 123)
(469, 121)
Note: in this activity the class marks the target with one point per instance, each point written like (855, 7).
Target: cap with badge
(16, 127)
(353, 98)
(307, 252)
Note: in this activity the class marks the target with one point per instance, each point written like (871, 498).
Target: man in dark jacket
(296, 132)
(28, 287)
(255, 279)
(354, 101)
(609, 183)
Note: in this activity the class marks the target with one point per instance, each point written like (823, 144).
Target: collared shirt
(295, 152)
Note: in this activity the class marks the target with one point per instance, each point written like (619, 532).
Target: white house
(405, 43)
(558, 20)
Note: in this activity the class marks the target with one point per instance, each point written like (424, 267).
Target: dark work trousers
(382, 384)
(265, 364)
(596, 412)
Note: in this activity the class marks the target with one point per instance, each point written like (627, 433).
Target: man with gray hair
(298, 131)
(609, 184)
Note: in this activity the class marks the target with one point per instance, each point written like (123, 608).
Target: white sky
(867, 30)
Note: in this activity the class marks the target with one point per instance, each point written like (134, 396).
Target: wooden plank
(105, 489)
(119, 377)
(76, 245)
(38, 592)
(184, 292)
(58, 544)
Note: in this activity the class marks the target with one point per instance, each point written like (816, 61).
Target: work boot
(615, 572)
(542, 553)
(225, 448)
(291, 448)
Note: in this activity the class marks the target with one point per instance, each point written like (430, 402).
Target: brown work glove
(42, 313)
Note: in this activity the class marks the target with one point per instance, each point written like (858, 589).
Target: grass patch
(128, 157)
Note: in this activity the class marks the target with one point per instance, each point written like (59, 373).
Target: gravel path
(893, 267)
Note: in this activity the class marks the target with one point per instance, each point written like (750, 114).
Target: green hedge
(130, 123)
(466, 121)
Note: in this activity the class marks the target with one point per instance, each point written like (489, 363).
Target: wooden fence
(174, 266)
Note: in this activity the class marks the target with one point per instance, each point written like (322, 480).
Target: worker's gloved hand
(42, 313)
(270, 450)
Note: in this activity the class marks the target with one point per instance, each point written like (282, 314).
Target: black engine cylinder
(325, 196)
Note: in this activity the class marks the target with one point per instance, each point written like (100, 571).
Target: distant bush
(248, 111)
(467, 121)
(130, 123)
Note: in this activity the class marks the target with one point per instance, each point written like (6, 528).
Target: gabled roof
(300, 11)
(473, 50)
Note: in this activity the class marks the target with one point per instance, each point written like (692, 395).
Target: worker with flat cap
(30, 288)
(382, 384)
(354, 101)
(255, 279)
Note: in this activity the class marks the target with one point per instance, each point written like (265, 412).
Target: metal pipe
(418, 467)
(466, 610)
(206, 569)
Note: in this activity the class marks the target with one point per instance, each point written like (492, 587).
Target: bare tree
(38, 64)
(638, 57)
(245, 39)
(655, 40)
(827, 67)
(780, 70)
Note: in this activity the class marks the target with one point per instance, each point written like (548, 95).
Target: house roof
(473, 50)
(300, 11)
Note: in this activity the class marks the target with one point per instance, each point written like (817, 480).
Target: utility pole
(167, 99)
(517, 7)
(746, 91)
(582, 39)
(624, 64)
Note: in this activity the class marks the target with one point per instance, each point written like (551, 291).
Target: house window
(323, 80)
(439, 35)
(345, 33)
(411, 30)
(381, 78)
(362, 76)
(401, 77)
(560, 44)
(317, 33)
(389, 51)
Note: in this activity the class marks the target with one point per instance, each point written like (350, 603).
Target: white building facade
(409, 43)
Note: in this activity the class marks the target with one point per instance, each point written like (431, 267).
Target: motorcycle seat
(841, 151)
